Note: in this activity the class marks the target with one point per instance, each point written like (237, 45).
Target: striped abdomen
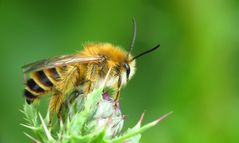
(40, 83)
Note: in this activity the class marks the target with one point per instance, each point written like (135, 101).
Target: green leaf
(136, 130)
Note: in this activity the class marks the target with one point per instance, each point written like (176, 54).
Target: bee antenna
(134, 37)
(146, 52)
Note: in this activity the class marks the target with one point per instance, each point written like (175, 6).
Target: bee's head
(128, 66)
(129, 69)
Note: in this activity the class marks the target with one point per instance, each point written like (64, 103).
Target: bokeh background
(194, 73)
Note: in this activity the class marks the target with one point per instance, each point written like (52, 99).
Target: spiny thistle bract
(94, 118)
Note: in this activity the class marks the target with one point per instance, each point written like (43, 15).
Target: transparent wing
(59, 61)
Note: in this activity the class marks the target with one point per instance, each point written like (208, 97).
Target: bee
(85, 70)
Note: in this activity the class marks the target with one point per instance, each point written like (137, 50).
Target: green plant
(94, 118)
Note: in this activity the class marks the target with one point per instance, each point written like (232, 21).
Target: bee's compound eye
(127, 68)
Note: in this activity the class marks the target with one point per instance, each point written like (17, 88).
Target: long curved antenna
(134, 36)
(146, 52)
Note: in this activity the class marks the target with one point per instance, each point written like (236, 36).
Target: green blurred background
(194, 73)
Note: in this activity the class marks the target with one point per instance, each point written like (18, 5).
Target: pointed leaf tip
(32, 138)
(48, 134)
(163, 117)
(140, 119)
(30, 127)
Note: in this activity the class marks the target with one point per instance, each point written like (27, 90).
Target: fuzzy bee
(85, 70)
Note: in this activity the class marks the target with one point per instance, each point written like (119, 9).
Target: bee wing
(59, 61)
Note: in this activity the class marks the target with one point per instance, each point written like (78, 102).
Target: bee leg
(50, 119)
(116, 100)
(55, 104)
(59, 114)
(87, 87)
(91, 76)
(117, 96)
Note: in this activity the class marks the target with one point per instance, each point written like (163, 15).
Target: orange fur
(88, 75)
(63, 87)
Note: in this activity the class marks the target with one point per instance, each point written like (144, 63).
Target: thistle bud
(95, 117)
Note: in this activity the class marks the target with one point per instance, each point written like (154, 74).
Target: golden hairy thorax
(112, 53)
(60, 80)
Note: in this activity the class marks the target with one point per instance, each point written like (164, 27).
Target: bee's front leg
(87, 87)
(117, 95)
